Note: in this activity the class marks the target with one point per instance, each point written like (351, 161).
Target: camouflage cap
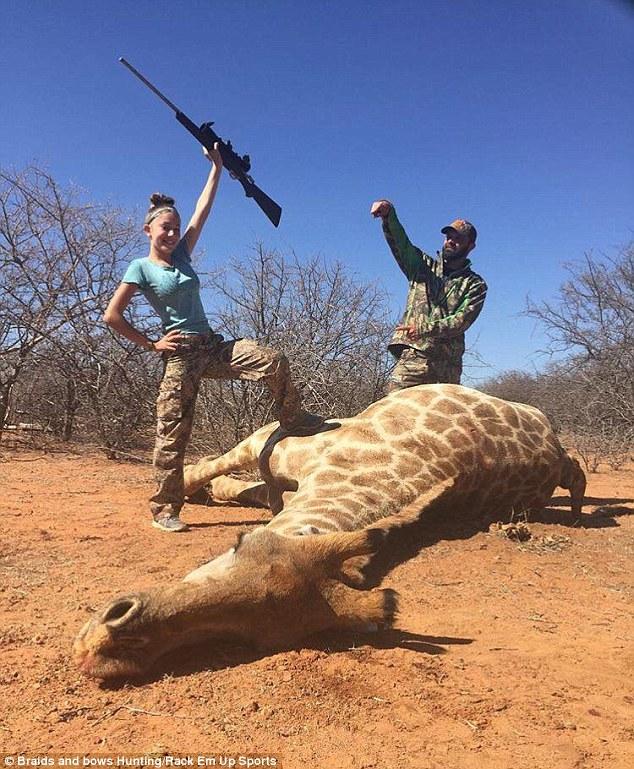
(462, 227)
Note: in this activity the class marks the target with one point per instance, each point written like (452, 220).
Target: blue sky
(515, 115)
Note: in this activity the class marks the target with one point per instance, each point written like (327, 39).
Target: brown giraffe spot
(509, 415)
(437, 423)
(330, 477)
(445, 468)
(349, 502)
(497, 429)
(485, 411)
(396, 425)
(487, 446)
(406, 444)
(362, 478)
(450, 407)
(467, 458)
(407, 466)
(528, 423)
(533, 442)
(464, 423)
(408, 412)
(369, 458)
(433, 449)
(455, 438)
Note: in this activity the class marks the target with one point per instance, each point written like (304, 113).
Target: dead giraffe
(349, 484)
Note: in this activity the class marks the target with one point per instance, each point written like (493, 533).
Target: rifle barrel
(148, 84)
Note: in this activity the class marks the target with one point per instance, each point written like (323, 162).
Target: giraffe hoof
(303, 423)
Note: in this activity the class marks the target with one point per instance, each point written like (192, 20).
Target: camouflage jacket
(441, 304)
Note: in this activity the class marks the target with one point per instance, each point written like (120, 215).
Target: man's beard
(449, 255)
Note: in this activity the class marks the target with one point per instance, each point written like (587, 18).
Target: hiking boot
(170, 523)
(303, 422)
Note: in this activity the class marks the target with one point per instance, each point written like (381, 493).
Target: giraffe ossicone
(335, 495)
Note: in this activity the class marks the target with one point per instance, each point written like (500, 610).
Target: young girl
(189, 347)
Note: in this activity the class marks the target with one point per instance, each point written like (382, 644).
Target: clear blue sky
(516, 115)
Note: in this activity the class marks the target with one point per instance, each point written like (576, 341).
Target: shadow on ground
(440, 523)
(221, 655)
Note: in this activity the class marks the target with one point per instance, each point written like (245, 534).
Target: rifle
(238, 167)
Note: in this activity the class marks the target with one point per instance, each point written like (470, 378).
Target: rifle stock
(237, 166)
(269, 206)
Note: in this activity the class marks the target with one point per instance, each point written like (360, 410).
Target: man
(445, 297)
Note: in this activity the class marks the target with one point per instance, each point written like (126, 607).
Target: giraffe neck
(310, 514)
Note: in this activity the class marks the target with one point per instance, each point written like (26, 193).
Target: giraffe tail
(574, 479)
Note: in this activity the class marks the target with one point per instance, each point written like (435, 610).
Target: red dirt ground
(506, 655)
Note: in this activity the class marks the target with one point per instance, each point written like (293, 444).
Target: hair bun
(159, 199)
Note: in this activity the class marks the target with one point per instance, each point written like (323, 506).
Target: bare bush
(515, 386)
(60, 259)
(333, 329)
(589, 393)
(593, 321)
(596, 448)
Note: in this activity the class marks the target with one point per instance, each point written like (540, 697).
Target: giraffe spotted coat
(483, 454)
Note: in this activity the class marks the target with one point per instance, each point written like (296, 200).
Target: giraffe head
(269, 590)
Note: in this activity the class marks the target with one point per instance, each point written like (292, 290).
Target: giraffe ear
(121, 611)
(351, 572)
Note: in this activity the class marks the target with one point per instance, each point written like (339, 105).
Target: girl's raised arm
(205, 201)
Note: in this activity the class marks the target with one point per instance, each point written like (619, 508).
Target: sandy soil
(507, 654)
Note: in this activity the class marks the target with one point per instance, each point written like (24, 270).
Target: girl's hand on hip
(169, 342)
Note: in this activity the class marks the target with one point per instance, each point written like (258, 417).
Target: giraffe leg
(248, 493)
(244, 456)
(361, 610)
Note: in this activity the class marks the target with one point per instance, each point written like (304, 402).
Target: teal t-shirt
(173, 292)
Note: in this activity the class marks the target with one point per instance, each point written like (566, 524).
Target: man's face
(456, 245)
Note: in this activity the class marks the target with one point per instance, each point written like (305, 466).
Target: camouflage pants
(207, 356)
(416, 368)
